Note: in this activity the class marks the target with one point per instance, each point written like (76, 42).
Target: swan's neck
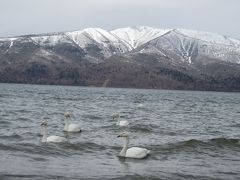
(118, 120)
(66, 124)
(124, 149)
(44, 138)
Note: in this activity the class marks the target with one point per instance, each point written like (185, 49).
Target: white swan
(133, 152)
(122, 123)
(70, 127)
(54, 139)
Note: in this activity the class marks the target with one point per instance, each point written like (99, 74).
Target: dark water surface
(192, 135)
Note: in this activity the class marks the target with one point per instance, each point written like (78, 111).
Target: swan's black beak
(119, 135)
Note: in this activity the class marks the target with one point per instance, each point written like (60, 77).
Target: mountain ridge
(136, 28)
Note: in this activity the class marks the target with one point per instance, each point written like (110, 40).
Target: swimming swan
(54, 139)
(70, 127)
(122, 123)
(133, 152)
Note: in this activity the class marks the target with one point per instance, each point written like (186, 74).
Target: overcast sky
(19, 17)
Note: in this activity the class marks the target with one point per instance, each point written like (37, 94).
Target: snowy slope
(212, 45)
(50, 40)
(138, 36)
(210, 37)
(188, 47)
(109, 43)
(91, 35)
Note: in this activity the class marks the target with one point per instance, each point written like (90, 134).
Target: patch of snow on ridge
(11, 44)
(79, 38)
(48, 40)
(8, 39)
(138, 36)
(92, 34)
(99, 37)
(210, 37)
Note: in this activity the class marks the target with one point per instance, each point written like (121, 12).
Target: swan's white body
(55, 139)
(122, 123)
(136, 152)
(51, 139)
(140, 105)
(133, 152)
(70, 127)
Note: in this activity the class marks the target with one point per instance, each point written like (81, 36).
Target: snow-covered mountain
(192, 55)
(97, 43)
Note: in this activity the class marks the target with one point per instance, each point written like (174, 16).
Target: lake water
(191, 135)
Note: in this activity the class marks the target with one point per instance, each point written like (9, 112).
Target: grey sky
(18, 17)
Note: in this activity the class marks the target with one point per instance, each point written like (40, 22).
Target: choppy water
(192, 135)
